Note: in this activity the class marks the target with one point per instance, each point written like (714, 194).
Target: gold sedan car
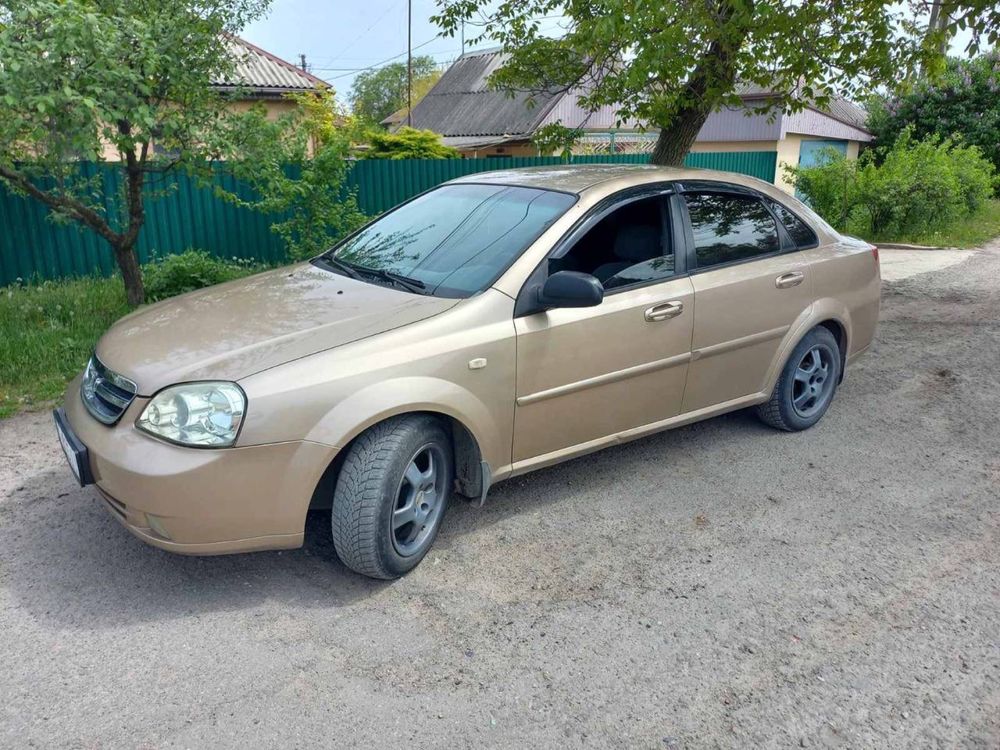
(494, 325)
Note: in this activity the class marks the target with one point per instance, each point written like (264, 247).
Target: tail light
(875, 254)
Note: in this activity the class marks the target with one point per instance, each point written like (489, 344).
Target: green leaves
(668, 64)
(378, 93)
(910, 188)
(296, 167)
(964, 98)
(556, 138)
(127, 81)
(407, 143)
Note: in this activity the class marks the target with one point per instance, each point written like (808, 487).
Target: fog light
(157, 526)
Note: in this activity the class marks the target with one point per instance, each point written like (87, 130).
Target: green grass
(47, 332)
(972, 231)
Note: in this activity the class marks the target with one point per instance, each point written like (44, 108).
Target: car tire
(806, 385)
(391, 494)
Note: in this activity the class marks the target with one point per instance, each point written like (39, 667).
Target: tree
(79, 77)
(378, 93)
(944, 18)
(408, 143)
(670, 64)
(297, 166)
(963, 101)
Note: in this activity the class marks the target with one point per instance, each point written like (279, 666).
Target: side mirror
(570, 289)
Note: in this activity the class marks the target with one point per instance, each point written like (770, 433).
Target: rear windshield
(458, 239)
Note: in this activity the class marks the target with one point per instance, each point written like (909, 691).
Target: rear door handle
(665, 311)
(787, 280)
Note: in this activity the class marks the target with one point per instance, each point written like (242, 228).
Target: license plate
(76, 453)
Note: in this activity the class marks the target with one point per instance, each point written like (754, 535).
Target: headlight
(200, 414)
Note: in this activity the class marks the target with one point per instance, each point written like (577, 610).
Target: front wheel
(807, 383)
(391, 495)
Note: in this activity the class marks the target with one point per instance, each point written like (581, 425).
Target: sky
(341, 37)
(338, 37)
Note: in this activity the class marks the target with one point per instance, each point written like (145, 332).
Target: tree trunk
(675, 140)
(716, 71)
(135, 217)
(128, 264)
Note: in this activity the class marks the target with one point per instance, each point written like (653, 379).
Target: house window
(813, 153)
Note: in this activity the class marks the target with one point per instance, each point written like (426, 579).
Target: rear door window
(729, 227)
(802, 236)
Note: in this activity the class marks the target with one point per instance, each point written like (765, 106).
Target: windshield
(453, 241)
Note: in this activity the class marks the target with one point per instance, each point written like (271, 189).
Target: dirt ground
(721, 585)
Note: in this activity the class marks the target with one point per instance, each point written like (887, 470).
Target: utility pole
(409, 63)
(302, 63)
(463, 37)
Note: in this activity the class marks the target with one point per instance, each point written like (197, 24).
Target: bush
(193, 269)
(830, 188)
(911, 188)
(296, 167)
(963, 101)
(408, 143)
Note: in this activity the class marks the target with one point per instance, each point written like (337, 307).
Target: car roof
(581, 178)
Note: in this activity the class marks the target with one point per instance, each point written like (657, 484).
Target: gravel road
(721, 585)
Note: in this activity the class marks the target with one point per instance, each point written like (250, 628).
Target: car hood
(233, 330)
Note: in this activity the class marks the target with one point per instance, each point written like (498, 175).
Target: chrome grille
(105, 393)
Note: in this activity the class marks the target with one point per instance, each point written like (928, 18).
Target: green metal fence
(31, 246)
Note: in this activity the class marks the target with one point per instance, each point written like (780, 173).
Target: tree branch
(62, 204)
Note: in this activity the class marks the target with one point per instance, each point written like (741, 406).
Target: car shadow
(603, 470)
(66, 560)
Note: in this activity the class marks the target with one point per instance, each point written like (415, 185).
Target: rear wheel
(807, 383)
(391, 495)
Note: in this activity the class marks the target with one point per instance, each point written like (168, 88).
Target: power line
(391, 7)
(445, 56)
(382, 62)
(409, 62)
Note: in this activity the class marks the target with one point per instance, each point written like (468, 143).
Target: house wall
(740, 124)
(572, 115)
(816, 124)
(788, 154)
(733, 146)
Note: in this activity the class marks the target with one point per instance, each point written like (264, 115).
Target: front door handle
(787, 280)
(662, 312)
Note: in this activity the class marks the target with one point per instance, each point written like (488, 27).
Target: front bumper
(194, 500)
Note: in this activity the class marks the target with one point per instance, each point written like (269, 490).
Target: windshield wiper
(407, 282)
(357, 271)
(345, 268)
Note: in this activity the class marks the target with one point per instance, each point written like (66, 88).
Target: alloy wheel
(812, 383)
(419, 500)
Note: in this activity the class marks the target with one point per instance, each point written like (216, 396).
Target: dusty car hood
(229, 331)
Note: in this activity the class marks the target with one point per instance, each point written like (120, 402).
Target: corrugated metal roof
(477, 141)
(263, 72)
(462, 104)
(847, 112)
(839, 108)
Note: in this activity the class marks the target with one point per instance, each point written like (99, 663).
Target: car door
(748, 289)
(586, 373)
